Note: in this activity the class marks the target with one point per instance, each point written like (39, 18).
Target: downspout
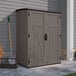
(70, 30)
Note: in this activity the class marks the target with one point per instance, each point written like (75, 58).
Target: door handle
(45, 37)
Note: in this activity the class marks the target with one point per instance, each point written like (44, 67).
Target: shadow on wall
(4, 34)
(60, 6)
(54, 5)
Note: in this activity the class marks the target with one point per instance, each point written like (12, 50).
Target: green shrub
(73, 74)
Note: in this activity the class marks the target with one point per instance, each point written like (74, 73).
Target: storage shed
(8, 8)
(38, 37)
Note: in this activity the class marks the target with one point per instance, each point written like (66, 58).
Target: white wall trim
(70, 29)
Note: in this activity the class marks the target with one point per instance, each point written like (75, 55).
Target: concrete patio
(52, 70)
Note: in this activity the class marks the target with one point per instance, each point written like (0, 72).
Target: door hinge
(28, 35)
(60, 17)
(60, 57)
(28, 13)
(60, 35)
(28, 61)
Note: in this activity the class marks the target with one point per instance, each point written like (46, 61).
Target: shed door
(51, 39)
(36, 38)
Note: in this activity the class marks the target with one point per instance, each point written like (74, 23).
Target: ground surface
(54, 70)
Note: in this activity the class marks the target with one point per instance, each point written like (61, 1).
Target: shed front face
(43, 38)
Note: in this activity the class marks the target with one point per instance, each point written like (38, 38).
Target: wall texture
(8, 7)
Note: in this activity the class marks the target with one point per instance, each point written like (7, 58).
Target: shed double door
(44, 40)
